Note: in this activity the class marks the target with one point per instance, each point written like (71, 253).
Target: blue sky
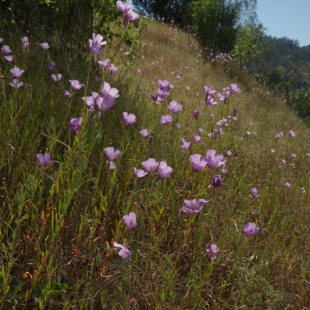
(286, 18)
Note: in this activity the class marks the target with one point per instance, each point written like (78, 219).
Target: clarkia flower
(214, 161)
(139, 173)
(16, 84)
(212, 251)
(233, 88)
(75, 124)
(197, 139)
(210, 101)
(25, 42)
(75, 84)
(292, 133)
(164, 170)
(197, 163)
(95, 44)
(111, 153)
(175, 107)
(250, 229)
(150, 165)
(5, 49)
(111, 165)
(17, 72)
(209, 90)
(217, 182)
(196, 114)
(128, 13)
(112, 69)
(218, 131)
(124, 253)
(223, 96)
(165, 85)
(45, 46)
(51, 65)
(68, 95)
(166, 119)
(129, 119)
(104, 63)
(144, 133)
(44, 160)
(254, 192)
(107, 97)
(56, 77)
(130, 220)
(193, 206)
(185, 145)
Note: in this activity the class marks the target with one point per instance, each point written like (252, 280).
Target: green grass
(58, 223)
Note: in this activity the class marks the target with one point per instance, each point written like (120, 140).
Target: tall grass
(58, 223)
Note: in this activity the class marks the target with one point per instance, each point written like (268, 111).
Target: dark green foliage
(69, 19)
(179, 11)
(216, 22)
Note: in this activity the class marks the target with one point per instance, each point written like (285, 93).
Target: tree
(249, 45)
(179, 11)
(217, 22)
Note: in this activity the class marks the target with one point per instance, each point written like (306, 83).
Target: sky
(286, 18)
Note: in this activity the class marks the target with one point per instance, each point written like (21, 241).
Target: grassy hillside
(64, 242)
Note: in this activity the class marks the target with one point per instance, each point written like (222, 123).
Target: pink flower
(292, 133)
(197, 139)
(196, 113)
(75, 84)
(193, 206)
(111, 165)
(139, 173)
(51, 65)
(233, 88)
(45, 46)
(164, 170)
(16, 84)
(144, 133)
(288, 185)
(175, 107)
(250, 229)
(210, 101)
(95, 44)
(209, 90)
(104, 63)
(75, 124)
(124, 253)
(68, 95)
(44, 160)
(166, 119)
(130, 220)
(111, 153)
(197, 163)
(25, 42)
(17, 72)
(128, 13)
(112, 69)
(107, 97)
(56, 77)
(129, 119)
(185, 145)
(214, 161)
(212, 251)
(150, 165)
(5, 49)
